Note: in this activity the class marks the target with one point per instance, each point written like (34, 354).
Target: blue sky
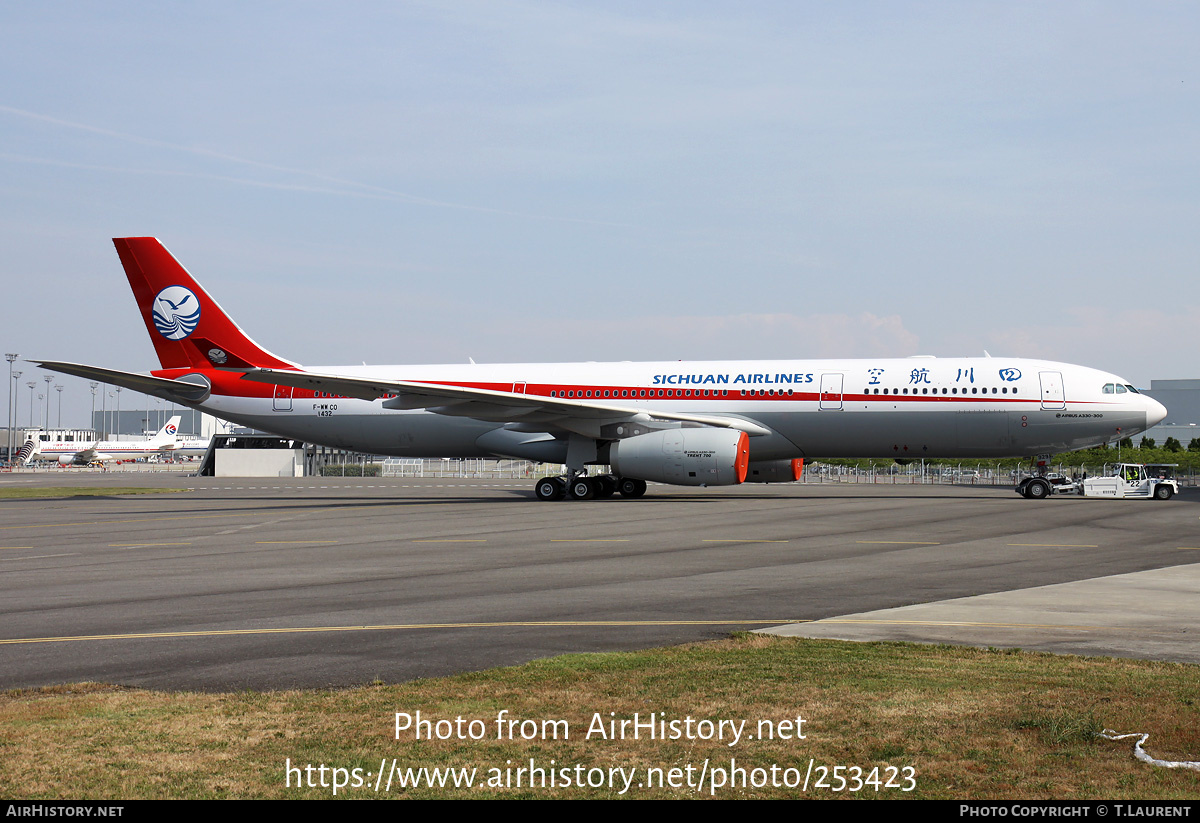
(427, 182)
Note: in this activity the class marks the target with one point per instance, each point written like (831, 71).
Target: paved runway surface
(333, 582)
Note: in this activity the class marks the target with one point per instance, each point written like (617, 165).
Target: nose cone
(1155, 412)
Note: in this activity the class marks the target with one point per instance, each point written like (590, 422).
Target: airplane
(191, 446)
(684, 423)
(68, 452)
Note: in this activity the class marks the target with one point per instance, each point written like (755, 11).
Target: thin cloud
(362, 189)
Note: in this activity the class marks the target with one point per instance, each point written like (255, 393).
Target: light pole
(118, 426)
(92, 419)
(103, 412)
(32, 384)
(10, 358)
(49, 378)
(59, 389)
(16, 387)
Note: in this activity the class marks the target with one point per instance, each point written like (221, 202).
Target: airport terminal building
(1182, 399)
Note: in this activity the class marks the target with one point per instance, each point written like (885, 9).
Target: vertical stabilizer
(188, 328)
(168, 433)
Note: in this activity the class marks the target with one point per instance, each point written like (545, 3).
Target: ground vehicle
(1042, 486)
(1119, 480)
(1129, 480)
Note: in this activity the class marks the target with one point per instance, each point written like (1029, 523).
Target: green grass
(971, 723)
(30, 492)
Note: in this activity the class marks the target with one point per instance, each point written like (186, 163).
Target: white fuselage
(66, 451)
(913, 407)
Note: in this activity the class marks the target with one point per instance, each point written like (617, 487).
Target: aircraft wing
(486, 404)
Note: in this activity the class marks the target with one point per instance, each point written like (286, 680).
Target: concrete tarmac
(1150, 615)
(320, 582)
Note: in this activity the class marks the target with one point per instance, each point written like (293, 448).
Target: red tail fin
(189, 330)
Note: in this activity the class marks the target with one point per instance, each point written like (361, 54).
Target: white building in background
(1182, 399)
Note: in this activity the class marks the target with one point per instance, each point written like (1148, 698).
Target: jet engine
(683, 457)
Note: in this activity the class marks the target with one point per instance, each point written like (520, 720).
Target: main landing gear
(582, 487)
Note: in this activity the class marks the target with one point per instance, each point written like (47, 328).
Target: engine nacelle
(684, 457)
(775, 471)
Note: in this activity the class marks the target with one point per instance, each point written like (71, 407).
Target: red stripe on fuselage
(598, 392)
(230, 384)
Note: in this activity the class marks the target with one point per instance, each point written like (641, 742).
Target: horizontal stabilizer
(177, 391)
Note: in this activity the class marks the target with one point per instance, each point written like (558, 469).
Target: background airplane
(67, 452)
(693, 424)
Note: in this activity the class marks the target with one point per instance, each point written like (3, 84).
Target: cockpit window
(1132, 389)
(1109, 388)
(1120, 389)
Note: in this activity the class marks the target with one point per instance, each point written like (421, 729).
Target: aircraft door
(283, 398)
(1053, 396)
(831, 392)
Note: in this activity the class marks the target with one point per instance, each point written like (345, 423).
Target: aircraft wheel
(606, 486)
(630, 487)
(550, 488)
(583, 488)
(1163, 492)
(1037, 490)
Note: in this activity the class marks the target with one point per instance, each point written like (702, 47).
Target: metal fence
(966, 474)
(472, 467)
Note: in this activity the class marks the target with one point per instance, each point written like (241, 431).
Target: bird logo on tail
(176, 312)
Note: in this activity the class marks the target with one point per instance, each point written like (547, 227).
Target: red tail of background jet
(188, 328)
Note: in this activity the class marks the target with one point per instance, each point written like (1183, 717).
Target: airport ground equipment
(1118, 481)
